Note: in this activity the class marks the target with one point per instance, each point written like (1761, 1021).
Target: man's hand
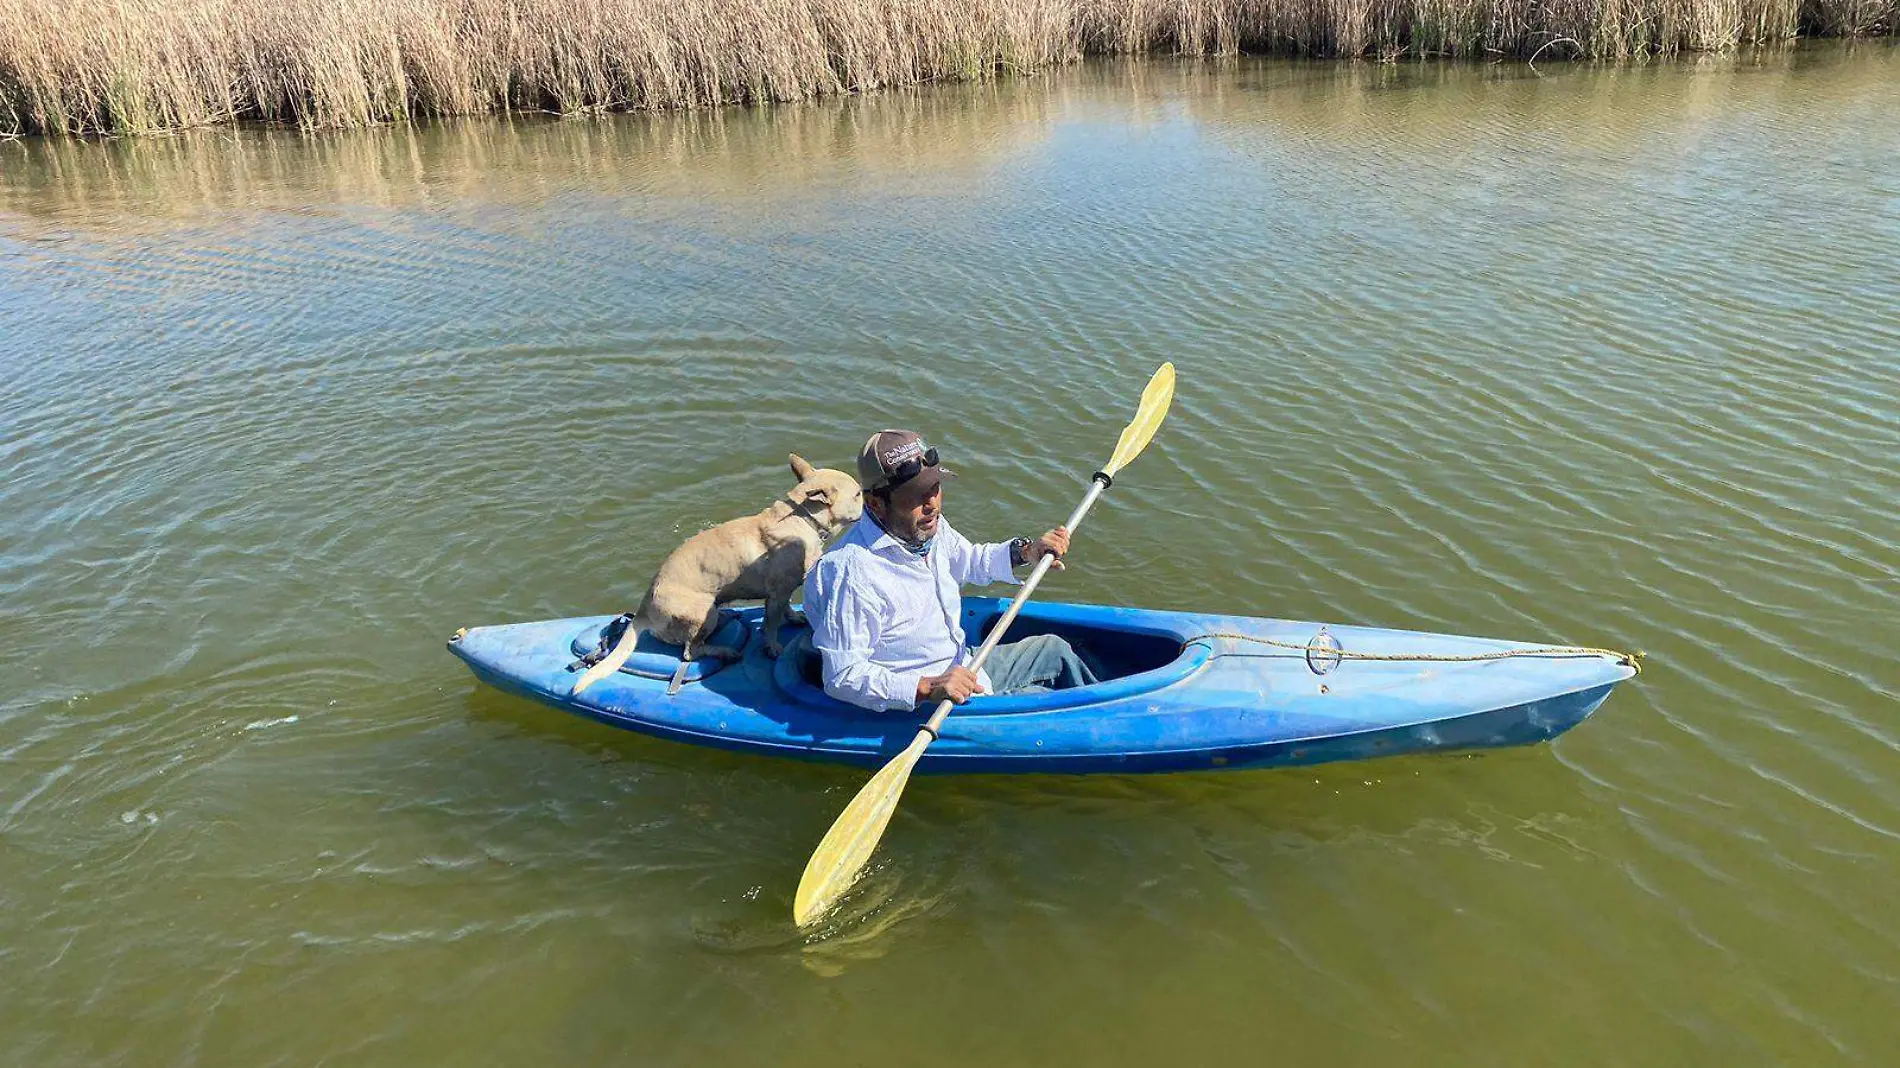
(958, 684)
(1055, 542)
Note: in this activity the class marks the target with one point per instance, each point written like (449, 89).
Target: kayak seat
(655, 659)
(807, 664)
(810, 662)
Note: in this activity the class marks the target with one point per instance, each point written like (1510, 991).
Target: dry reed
(84, 66)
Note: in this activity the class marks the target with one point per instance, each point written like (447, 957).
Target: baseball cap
(895, 457)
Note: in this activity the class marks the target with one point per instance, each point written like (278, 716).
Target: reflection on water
(946, 137)
(769, 154)
(1600, 354)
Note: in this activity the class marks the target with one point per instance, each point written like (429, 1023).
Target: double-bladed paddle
(851, 840)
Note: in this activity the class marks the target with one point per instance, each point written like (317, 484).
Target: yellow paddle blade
(851, 840)
(1154, 407)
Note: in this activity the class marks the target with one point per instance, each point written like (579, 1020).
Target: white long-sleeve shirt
(883, 617)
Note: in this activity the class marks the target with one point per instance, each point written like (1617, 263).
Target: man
(885, 604)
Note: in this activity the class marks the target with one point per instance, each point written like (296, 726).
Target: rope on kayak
(1633, 661)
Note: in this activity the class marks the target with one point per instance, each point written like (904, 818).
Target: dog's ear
(818, 495)
(802, 469)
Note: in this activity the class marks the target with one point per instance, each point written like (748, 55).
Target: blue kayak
(1189, 691)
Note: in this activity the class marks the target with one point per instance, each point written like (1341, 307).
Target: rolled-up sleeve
(974, 563)
(844, 630)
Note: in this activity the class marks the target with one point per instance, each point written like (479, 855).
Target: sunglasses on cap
(911, 468)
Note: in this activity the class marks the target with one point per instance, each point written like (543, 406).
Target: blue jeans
(1036, 665)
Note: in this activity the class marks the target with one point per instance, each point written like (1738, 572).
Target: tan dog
(759, 556)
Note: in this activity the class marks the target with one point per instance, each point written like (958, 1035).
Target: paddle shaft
(1096, 486)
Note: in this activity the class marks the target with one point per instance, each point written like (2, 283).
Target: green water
(1606, 356)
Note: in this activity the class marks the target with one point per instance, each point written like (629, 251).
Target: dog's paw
(772, 649)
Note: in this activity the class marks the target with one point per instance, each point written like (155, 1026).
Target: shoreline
(143, 66)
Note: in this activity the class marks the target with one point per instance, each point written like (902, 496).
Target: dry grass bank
(80, 66)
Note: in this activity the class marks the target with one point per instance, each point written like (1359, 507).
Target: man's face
(914, 511)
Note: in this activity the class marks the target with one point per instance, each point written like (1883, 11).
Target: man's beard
(910, 540)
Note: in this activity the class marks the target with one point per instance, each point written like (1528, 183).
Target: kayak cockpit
(1131, 658)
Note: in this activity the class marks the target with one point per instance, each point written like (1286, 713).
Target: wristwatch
(1018, 552)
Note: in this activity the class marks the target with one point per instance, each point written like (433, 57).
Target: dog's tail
(610, 663)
